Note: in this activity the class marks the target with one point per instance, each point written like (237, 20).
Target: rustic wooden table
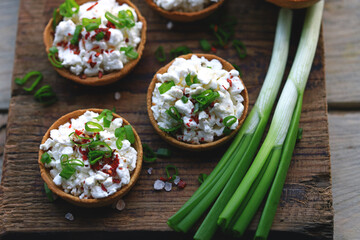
(342, 56)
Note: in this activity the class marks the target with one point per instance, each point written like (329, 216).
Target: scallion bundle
(228, 173)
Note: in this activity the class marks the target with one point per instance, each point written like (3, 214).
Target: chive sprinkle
(160, 54)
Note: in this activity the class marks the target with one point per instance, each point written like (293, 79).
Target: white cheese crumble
(91, 181)
(184, 5)
(90, 56)
(207, 124)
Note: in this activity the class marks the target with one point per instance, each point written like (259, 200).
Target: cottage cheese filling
(195, 124)
(90, 56)
(98, 180)
(184, 5)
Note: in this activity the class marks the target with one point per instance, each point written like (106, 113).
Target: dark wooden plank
(306, 206)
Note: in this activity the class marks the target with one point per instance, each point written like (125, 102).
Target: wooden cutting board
(306, 206)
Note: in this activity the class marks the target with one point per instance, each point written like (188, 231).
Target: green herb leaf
(66, 9)
(45, 95)
(184, 99)
(299, 134)
(99, 36)
(182, 50)
(96, 127)
(91, 24)
(48, 192)
(75, 38)
(171, 167)
(240, 48)
(163, 152)
(149, 154)
(67, 172)
(129, 134)
(190, 80)
(119, 143)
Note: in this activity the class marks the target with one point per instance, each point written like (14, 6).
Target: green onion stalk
(280, 140)
(233, 165)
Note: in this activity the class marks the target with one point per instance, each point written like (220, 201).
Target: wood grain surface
(306, 205)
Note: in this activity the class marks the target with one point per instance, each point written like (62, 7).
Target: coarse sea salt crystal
(69, 216)
(117, 96)
(149, 171)
(169, 25)
(158, 185)
(120, 205)
(176, 180)
(168, 186)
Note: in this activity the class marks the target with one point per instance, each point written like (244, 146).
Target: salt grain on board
(69, 216)
(120, 205)
(117, 96)
(176, 180)
(149, 171)
(158, 185)
(169, 25)
(168, 186)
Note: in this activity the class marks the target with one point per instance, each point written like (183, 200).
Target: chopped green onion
(97, 127)
(238, 69)
(100, 146)
(190, 80)
(66, 9)
(91, 24)
(95, 156)
(168, 168)
(166, 87)
(64, 160)
(205, 99)
(127, 18)
(48, 193)
(223, 32)
(182, 50)
(174, 113)
(205, 45)
(130, 52)
(45, 158)
(160, 54)
(120, 132)
(52, 57)
(67, 172)
(229, 121)
(55, 18)
(107, 117)
(227, 131)
(202, 177)
(240, 48)
(22, 81)
(171, 130)
(129, 133)
(299, 134)
(184, 99)
(163, 152)
(149, 154)
(119, 143)
(99, 36)
(75, 38)
(45, 95)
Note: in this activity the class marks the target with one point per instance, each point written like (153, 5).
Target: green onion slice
(168, 168)
(182, 50)
(174, 113)
(45, 95)
(127, 18)
(91, 24)
(55, 18)
(166, 86)
(184, 99)
(52, 57)
(53, 50)
(202, 177)
(227, 131)
(149, 154)
(171, 130)
(120, 133)
(229, 121)
(48, 192)
(22, 81)
(130, 52)
(119, 143)
(129, 133)
(190, 80)
(160, 54)
(45, 158)
(96, 127)
(299, 134)
(67, 172)
(99, 36)
(95, 156)
(163, 152)
(100, 146)
(66, 9)
(240, 48)
(205, 45)
(205, 99)
(107, 116)
(238, 69)
(75, 38)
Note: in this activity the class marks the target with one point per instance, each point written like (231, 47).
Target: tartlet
(188, 146)
(293, 4)
(185, 16)
(92, 202)
(107, 78)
